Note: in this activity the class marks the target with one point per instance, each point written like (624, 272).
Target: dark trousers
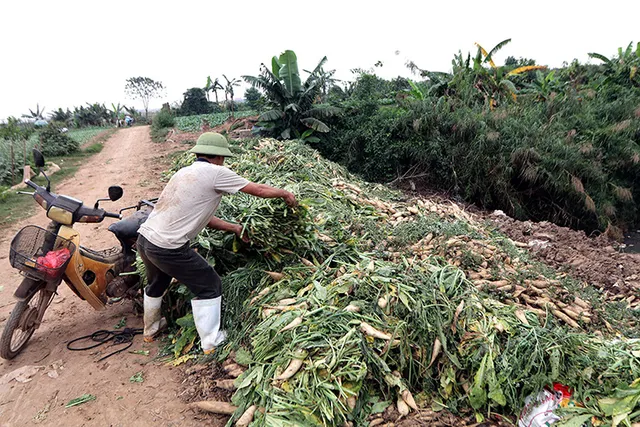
(184, 264)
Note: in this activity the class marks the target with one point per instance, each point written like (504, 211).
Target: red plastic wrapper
(53, 260)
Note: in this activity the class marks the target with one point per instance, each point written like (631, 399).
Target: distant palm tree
(35, 115)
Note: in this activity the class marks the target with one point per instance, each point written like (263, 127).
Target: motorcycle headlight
(60, 215)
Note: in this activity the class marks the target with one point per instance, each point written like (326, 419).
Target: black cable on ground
(103, 336)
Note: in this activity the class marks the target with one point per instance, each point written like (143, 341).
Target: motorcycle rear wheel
(22, 323)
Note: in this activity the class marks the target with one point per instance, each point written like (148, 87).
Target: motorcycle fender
(28, 288)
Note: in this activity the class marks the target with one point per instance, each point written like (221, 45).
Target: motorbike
(47, 257)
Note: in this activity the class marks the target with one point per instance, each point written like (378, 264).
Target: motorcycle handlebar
(31, 184)
(112, 215)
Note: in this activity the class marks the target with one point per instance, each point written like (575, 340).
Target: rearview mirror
(38, 158)
(115, 192)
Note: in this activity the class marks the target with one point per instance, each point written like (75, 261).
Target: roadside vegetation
(544, 144)
(85, 142)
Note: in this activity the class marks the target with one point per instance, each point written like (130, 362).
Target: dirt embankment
(597, 261)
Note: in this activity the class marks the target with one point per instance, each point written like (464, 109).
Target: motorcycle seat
(128, 228)
(108, 256)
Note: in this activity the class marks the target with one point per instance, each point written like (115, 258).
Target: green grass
(85, 135)
(82, 135)
(14, 207)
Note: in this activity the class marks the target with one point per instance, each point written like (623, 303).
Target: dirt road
(131, 160)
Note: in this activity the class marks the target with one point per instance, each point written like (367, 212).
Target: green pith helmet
(212, 144)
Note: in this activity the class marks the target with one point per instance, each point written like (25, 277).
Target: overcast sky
(65, 53)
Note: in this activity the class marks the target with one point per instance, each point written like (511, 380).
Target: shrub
(570, 160)
(195, 102)
(55, 143)
(164, 119)
(161, 124)
(253, 98)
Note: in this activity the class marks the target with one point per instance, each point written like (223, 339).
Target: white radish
(267, 312)
(373, 332)
(260, 294)
(437, 346)
(287, 301)
(521, 317)
(307, 262)
(236, 372)
(352, 308)
(223, 408)
(275, 276)
(351, 402)
(403, 408)
(293, 324)
(408, 398)
(233, 370)
(383, 301)
(246, 418)
(225, 384)
(228, 361)
(456, 315)
(294, 366)
(301, 306)
(566, 318)
(229, 365)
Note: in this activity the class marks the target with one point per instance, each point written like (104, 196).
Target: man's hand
(243, 236)
(290, 199)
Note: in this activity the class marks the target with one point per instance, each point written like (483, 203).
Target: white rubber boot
(206, 315)
(154, 323)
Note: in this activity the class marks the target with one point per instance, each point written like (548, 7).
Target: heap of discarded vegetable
(359, 299)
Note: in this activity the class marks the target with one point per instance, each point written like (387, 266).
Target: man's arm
(223, 225)
(268, 192)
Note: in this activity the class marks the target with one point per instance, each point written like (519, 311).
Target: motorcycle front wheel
(23, 321)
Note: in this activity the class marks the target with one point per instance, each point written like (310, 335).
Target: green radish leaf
(243, 357)
(380, 407)
(321, 292)
(246, 378)
(478, 395)
(495, 391)
(620, 418)
(80, 400)
(137, 378)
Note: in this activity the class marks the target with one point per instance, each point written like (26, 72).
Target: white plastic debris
(21, 375)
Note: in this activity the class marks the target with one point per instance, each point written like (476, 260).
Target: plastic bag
(539, 410)
(53, 260)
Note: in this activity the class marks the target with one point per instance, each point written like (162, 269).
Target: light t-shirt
(188, 202)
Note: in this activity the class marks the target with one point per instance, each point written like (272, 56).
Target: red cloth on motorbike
(53, 260)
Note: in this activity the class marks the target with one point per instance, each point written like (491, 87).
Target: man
(186, 206)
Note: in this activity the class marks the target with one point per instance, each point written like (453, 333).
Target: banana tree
(61, 115)
(293, 113)
(115, 113)
(229, 92)
(542, 86)
(212, 86)
(624, 68)
(481, 79)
